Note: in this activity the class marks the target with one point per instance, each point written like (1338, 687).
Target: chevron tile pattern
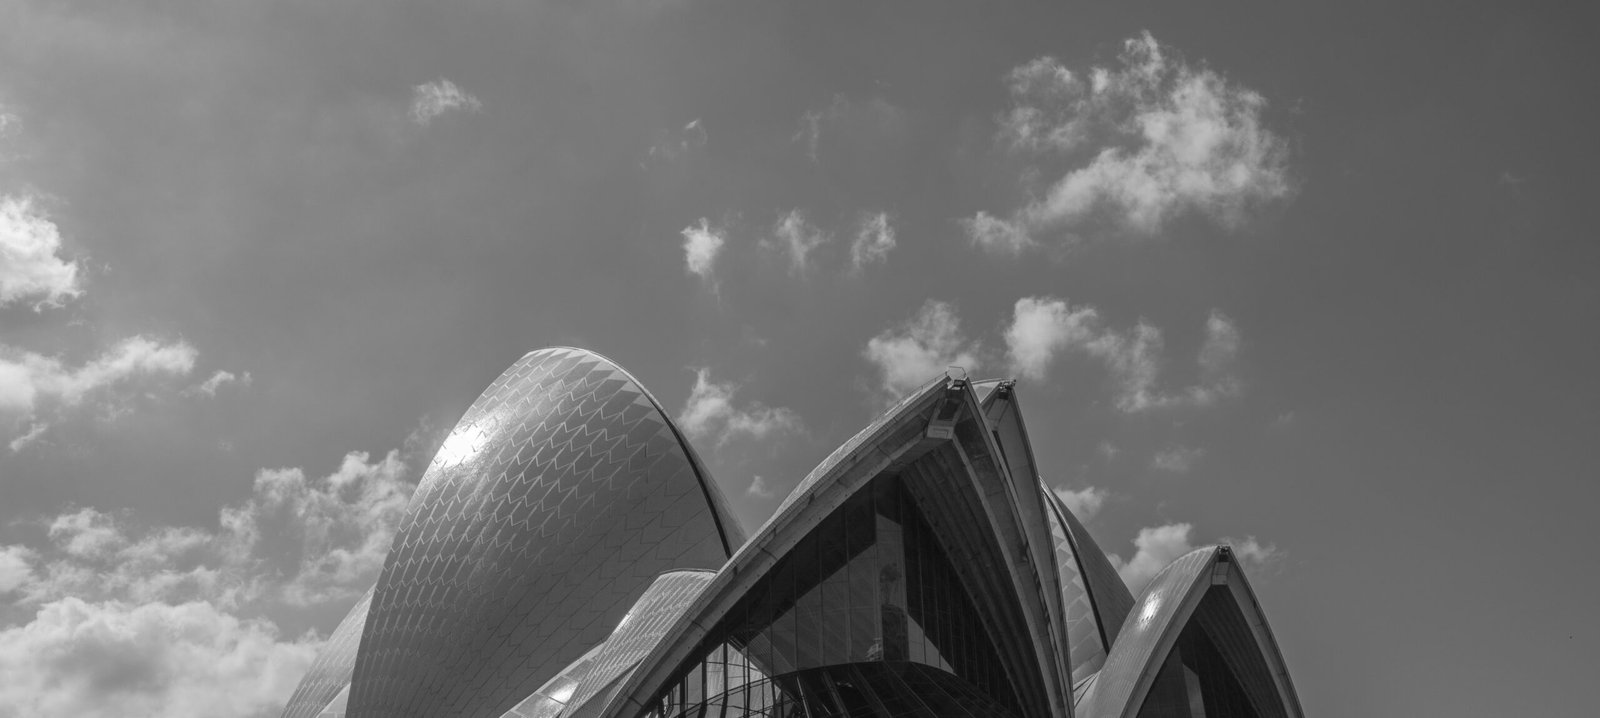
(558, 498)
(586, 681)
(1084, 644)
(330, 672)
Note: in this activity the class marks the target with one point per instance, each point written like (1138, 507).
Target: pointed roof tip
(1205, 587)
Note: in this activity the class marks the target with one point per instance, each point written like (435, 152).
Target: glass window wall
(869, 585)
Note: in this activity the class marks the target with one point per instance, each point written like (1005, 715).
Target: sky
(1310, 279)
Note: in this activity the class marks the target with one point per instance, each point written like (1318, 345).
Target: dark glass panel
(871, 583)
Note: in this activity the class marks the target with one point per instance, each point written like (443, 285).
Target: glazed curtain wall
(869, 584)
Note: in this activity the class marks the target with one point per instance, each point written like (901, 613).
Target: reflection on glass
(869, 585)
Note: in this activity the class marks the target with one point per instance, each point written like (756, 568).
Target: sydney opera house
(566, 555)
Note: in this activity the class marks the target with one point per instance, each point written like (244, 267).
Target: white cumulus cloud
(710, 413)
(1155, 547)
(1084, 503)
(913, 353)
(1043, 328)
(701, 245)
(1154, 136)
(31, 265)
(94, 659)
(297, 540)
(108, 618)
(1255, 553)
(433, 99)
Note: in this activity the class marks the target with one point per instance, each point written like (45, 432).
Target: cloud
(701, 245)
(16, 568)
(26, 438)
(29, 380)
(1041, 327)
(218, 380)
(1153, 136)
(94, 659)
(296, 540)
(1084, 503)
(997, 235)
(670, 146)
(874, 240)
(1255, 553)
(31, 267)
(1044, 328)
(710, 413)
(1155, 547)
(433, 99)
(760, 489)
(1177, 459)
(796, 238)
(872, 121)
(913, 353)
(108, 618)
(1218, 354)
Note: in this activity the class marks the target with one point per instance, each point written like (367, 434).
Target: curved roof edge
(1001, 409)
(860, 458)
(920, 423)
(1160, 614)
(578, 687)
(728, 528)
(1110, 596)
(330, 671)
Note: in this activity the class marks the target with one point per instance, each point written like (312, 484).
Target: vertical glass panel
(860, 540)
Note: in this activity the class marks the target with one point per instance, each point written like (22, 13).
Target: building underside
(566, 555)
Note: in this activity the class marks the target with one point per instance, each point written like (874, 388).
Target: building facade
(566, 555)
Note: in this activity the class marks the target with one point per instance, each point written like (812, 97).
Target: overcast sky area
(1322, 283)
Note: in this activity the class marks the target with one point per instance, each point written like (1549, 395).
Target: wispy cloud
(759, 488)
(1177, 459)
(913, 353)
(710, 413)
(217, 380)
(673, 145)
(871, 120)
(31, 265)
(875, 238)
(1043, 328)
(1084, 503)
(796, 238)
(28, 381)
(701, 245)
(1159, 135)
(1255, 553)
(431, 100)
